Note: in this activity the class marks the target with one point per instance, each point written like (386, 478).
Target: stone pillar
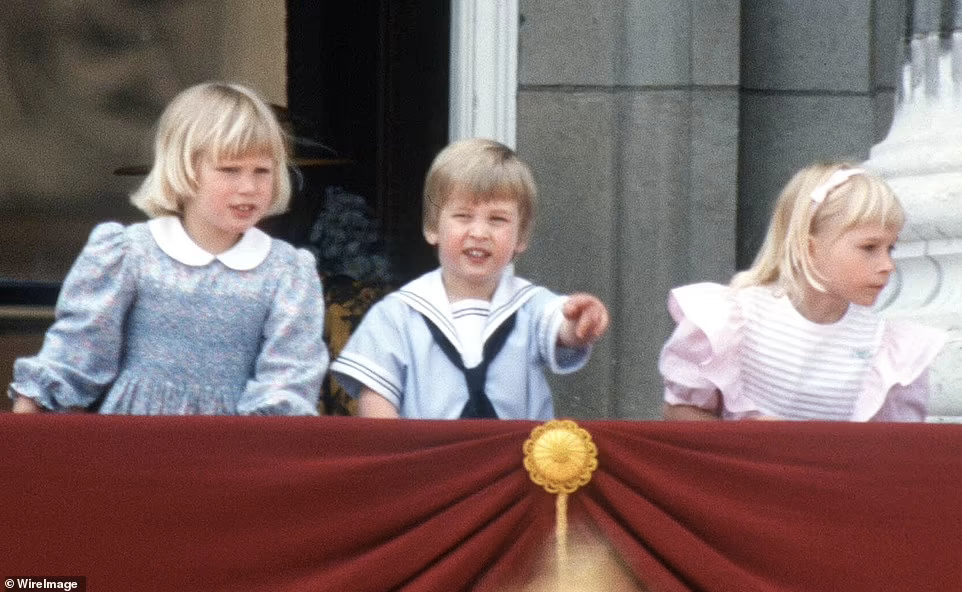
(484, 70)
(921, 157)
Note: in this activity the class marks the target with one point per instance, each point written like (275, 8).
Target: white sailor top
(394, 353)
(748, 352)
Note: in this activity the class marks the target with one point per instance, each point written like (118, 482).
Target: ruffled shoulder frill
(906, 352)
(701, 359)
(712, 308)
(908, 349)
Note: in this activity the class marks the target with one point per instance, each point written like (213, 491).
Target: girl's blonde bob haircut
(485, 169)
(214, 121)
(784, 260)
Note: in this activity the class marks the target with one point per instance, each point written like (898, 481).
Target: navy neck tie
(478, 405)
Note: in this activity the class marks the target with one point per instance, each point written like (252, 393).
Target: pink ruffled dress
(747, 352)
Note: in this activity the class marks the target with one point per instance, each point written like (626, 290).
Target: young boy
(470, 339)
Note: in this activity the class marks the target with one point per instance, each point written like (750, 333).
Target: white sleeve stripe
(360, 369)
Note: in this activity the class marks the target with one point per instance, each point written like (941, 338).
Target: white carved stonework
(921, 158)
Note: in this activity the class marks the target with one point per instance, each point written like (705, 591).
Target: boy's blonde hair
(784, 259)
(215, 121)
(486, 169)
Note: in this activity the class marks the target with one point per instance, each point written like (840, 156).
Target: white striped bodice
(796, 369)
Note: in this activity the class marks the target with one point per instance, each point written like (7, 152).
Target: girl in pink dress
(794, 337)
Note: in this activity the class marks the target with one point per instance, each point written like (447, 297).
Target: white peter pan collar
(249, 252)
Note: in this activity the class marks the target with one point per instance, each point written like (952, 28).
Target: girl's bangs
(241, 133)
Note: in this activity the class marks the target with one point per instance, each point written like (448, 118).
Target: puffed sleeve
(293, 358)
(82, 349)
(697, 362)
(901, 392)
(375, 355)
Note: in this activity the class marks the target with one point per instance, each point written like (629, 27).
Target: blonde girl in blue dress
(195, 311)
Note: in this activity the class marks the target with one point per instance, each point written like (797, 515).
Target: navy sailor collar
(426, 295)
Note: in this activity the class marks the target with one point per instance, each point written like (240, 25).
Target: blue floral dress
(149, 323)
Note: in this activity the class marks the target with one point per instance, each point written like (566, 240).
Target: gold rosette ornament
(560, 457)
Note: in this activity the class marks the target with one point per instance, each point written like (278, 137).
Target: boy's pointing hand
(586, 320)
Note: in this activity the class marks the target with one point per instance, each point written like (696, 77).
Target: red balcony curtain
(348, 504)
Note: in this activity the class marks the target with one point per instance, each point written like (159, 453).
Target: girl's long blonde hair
(784, 260)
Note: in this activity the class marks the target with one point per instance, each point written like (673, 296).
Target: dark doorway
(370, 80)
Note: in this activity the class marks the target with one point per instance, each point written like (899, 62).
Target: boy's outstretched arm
(586, 321)
(371, 404)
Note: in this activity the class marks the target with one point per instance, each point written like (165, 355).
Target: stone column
(921, 157)
(484, 70)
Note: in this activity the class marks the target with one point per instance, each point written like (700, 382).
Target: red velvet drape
(348, 504)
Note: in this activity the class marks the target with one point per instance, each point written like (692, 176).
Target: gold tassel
(560, 457)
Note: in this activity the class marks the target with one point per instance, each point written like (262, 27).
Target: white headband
(834, 181)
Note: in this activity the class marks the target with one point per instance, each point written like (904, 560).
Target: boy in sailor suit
(470, 339)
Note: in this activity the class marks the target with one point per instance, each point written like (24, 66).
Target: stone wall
(628, 113)
(660, 133)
